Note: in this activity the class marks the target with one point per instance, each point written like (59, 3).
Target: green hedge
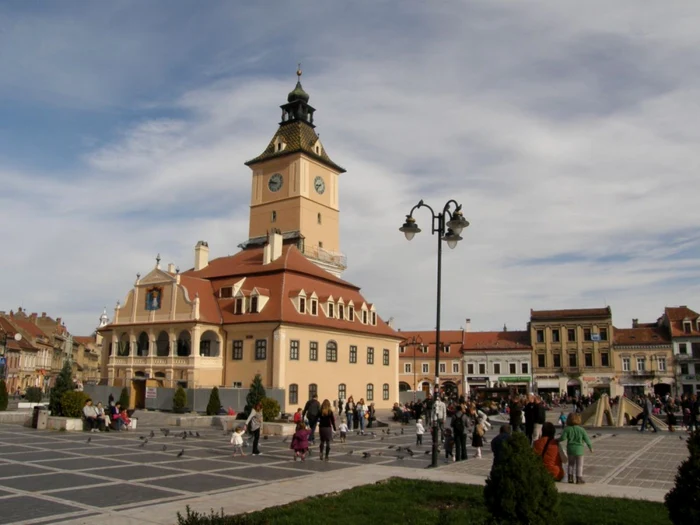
(72, 403)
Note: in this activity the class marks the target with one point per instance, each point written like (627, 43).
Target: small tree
(179, 400)
(682, 500)
(519, 489)
(72, 403)
(33, 394)
(214, 404)
(124, 400)
(4, 397)
(256, 393)
(270, 409)
(63, 384)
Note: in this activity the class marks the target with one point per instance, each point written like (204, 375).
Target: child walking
(420, 430)
(300, 442)
(478, 438)
(575, 437)
(237, 441)
(449, 445)
(562, 420)
(343, 429)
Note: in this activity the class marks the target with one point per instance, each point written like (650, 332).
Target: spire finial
(299, 71)
(158, 259)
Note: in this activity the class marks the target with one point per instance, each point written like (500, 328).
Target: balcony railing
(643, 373)
(316, 252)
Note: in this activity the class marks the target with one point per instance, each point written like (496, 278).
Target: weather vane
(299, 70)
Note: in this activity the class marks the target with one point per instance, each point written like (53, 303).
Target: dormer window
(364, 316)
(226, 292)
(687, 327)
(254, 304)
(341, 311)
(331, 310)
(446, 349)
(302, 305)
(280, 146)
(314, 307)
(239, 307)
(425, 349)
(351, 313)
(374, 318)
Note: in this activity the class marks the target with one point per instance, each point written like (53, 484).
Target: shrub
(63, 384)
(270, 409)
(213, 518)
(519, 489)
(124, 398)
(214, 404)
(179, 399)
(72, 403)
(4, 397)
(33, 394)
(682, 499)
(256, 393)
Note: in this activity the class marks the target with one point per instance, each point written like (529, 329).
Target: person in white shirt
(440, 413)
(420, 430)
(343, 429)
(90, 413)
(237, 441)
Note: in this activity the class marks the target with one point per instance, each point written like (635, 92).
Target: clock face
(275, 182)
(319, 185)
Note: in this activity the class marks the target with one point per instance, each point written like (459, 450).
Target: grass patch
(425, 502)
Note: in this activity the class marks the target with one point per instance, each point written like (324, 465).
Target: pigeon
(614, 435)
(165, 431)
(427, 452)
(165, 448)
(265, 437)
(390, 446)
(599, 434)
(184, 435)
(383, 431)
(399, 449)
(680, 437)
(142, 437)
(409, 452)
(381, 438)
(350, 453)
(379, 453)
(402, 431)
(285, 440)
(153, 434)
(399, 457)
(593, 436)
(357, 433)
(89, 439)
(366, 455)
(143, 444)
(181, 453)
(191, 434)
(373, 434)
(197, 434)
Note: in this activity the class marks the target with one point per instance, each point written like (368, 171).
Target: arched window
(142, 345)
(385, 391)
(163, 344)
(331, 351)
(184, 344)
(370, 392)
(342, 391)
(404, 387)
(313, 390)
(123, 345)
(294, 394)
(209, 344)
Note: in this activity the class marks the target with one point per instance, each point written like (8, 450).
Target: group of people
(97, 419)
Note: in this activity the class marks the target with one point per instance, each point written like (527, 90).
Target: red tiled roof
(454, 338)
(8, 328)
(644, 336)
(676, 315)
(516, 340)
(209, 311)
(580, 313)
(29, 327)
(84, 339)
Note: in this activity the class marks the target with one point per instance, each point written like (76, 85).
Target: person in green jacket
(575, 437)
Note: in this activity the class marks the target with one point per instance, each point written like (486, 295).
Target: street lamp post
(414, 342)
(447, 224)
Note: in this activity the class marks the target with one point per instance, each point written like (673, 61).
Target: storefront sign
(537, 378)
(477, 379)
(151, 392)
(514, 379)
(595, 379)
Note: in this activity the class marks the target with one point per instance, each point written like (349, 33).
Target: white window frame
(426, 368)
(641, 364)
(482, 369)
(661, 363)
(455, 368)
(443, 368)
(495, 372)
(626, 364)
(470, 369)
(407, 368)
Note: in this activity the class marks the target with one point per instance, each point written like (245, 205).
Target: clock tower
(295, 188)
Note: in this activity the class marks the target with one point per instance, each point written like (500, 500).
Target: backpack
(458, 424)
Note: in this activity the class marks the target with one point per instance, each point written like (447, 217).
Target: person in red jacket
(548, 449)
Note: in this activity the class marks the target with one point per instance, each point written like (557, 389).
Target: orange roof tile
(8, 328)
(29, 327)
(412, 340)
(580, 313)
(209, 311)
(84, 339)
(676, 315)
(515, 340)
(644, 336)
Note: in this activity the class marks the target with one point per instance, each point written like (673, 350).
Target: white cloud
(561, 132)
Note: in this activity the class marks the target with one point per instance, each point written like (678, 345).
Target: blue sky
(567, 131)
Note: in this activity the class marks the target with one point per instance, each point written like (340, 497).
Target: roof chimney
(58, 320)
(171, 268)
(273, 248)
(505, 328)
(635, 323)
(468, 325)
(201, 255)
(43, 314)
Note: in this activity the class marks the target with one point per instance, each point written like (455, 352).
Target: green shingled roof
(299, 138)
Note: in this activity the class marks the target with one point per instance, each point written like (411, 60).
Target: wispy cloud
(566, 132)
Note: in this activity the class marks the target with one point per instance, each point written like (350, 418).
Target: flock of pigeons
(185, 434)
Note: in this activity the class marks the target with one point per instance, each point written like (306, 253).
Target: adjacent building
(417, 361)
(683, 326)
(278, 308)
(497, 359)
(571, 350)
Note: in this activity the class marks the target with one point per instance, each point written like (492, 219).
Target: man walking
(540, 418)
(460, 425)
(312, 411)
(440, 413)
(530, 411)
(646, 414)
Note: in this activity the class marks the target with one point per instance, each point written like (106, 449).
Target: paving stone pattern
(49, 477)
